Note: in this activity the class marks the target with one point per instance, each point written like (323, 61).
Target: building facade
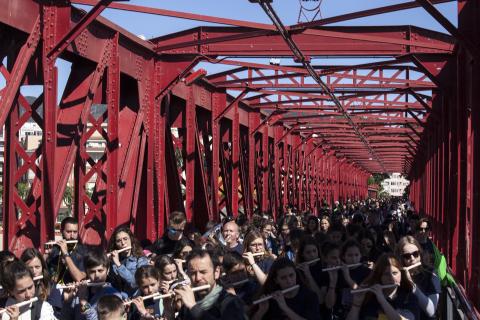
(395, 185)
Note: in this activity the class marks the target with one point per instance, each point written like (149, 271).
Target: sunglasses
(423, 229)
(173, 230)
(414, 254)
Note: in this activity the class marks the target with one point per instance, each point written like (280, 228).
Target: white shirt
(25, 311)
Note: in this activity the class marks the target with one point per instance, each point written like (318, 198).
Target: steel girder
(173, 142)
(445, 172)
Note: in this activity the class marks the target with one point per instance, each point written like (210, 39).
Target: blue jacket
(123, 277)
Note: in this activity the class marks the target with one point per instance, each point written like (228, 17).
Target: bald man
(231, 234)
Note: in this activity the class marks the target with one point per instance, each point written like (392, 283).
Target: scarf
(212, 297)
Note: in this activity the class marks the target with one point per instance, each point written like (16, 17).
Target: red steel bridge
(257, 136)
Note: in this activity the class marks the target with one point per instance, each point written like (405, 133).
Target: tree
(68, 197)
(23, 188)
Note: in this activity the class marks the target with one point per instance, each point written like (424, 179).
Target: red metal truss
(254, 137)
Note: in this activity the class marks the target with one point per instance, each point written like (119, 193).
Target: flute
(126, 303)
(412, 266)
(21, 304)
(239, 283)
(340, 267)
(119, 251)
(311, 261)
(168, 295)
(89, 284)
(387, 286)
(270, 296)
(51, 243)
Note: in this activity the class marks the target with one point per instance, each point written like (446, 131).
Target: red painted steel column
(113, 101)
(286, 169)
(49, 140)
(265, 169)
(157, 117)
(218, 103)
(235, 158)
(191, 128)
(253, 122)
(277, 131)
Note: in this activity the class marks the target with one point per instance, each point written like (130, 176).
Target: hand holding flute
(62, 243)
(273, 295)
(115, 255)
(118, 251)
(86, 283)
(186, 294)
(14, 309)
(250, 257)
(54, 242)
(413, 266)
(373, 288)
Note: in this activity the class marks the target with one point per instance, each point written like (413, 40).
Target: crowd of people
(358, 260)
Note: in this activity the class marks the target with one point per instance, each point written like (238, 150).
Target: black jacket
(227, 307)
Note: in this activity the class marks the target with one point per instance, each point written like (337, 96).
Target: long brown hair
(306, 241)
(136, 248)
(384, 261)
(43, 285)
(270, 285)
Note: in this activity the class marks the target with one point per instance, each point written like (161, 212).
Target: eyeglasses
(423, 229)
(407, 255)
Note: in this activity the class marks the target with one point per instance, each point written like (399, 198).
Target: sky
(150, 26)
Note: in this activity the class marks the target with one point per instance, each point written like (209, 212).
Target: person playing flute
(45, 287)
(65, 261)
(237, 280)
(393, 302)
(126, 256)
(308, 263)
(258, 266)
(427, 287)
(231, 234)
(81, 299)
(18, 283)
(143, 306)
(353, 273)
(300, 303)
(209, 304)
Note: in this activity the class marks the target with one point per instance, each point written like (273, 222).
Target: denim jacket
(123, 277)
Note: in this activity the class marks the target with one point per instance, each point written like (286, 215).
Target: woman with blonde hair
(426, 284)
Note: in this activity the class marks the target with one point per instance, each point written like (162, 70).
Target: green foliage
(68, 197)
(377, 178)
(23, 188)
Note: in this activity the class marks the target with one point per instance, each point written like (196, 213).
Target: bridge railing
(454, 304)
